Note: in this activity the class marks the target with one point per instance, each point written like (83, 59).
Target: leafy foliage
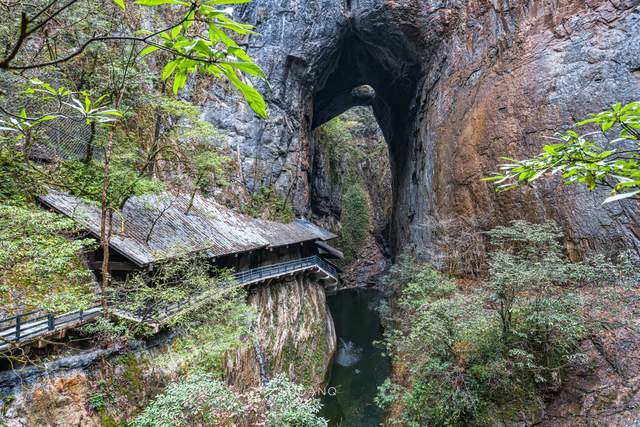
(39, 261)
(19, 183)
(207, 48)
(214, 317)
(355, 220)
(104, 330)
(267, 203)
(199, 41)
(609, 158)
(288, 406)
(200, 399)
(85, 181)
(477, 356)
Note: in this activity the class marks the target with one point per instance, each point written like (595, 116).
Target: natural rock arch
(383, 73)
(458, 84)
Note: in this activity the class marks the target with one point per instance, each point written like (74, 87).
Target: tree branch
(22, 35)
(25, 33)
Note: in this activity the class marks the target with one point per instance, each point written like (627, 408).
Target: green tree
(608, 157)
(197, 41)
(355, 220)
(527, 260)
(40, 265)
(475, 356)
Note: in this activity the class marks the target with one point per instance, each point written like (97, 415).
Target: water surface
(359, 367)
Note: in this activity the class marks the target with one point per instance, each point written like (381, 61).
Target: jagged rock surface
(458, 84)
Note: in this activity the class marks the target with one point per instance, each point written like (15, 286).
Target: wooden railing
(34, 324)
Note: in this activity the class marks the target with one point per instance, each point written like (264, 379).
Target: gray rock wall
(458, 83)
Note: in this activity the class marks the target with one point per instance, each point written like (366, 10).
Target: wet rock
(12, 380)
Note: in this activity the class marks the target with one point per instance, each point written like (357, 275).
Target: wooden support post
(18, 327)
(50, 322)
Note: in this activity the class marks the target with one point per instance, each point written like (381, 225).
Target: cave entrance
(379, 73)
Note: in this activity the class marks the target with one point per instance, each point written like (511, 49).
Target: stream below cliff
(359, 367)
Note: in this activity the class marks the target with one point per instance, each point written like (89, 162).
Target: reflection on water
(359, 367)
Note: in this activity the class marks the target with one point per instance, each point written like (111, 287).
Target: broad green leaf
(179, 80)
(120, 3)
(147, 50)
(168, 69)
(621, 196)
(252, 96)
(175, 31)
(247, 67)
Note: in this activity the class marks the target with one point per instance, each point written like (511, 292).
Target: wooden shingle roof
(153, 228)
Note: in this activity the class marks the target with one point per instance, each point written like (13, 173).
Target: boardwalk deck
(28, 327)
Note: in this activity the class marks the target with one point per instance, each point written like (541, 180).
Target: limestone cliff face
(458, 83)
(294, 331)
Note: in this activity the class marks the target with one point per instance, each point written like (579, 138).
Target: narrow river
(359, 366)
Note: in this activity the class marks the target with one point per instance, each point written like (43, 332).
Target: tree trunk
(89, 153)
(105, 225)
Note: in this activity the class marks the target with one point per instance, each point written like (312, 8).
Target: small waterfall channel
(262, 361)
(359, 367)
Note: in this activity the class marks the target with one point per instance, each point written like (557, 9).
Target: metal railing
(258, 274)
(36, 323)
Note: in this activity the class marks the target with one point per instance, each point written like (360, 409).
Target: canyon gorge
(403, 105)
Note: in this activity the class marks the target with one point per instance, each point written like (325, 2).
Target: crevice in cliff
(260, 357)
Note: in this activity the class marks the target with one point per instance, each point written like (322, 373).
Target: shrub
(408, 264)
(104, 330)
(288, 406)
(475, 357)
(453, 349)
(39, 261)
(200, 399)
(525, 267)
